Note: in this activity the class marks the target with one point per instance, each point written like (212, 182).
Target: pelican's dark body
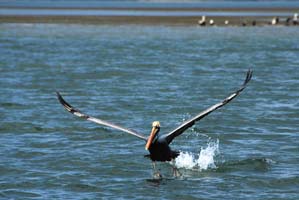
(160, 150)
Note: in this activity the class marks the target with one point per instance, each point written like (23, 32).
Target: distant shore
(158, 16)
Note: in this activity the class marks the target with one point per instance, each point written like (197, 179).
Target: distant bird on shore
(275, 21)
(226, 22)
(202, 22)
(295, 19)
(156, 144)
(288, 20)
(211, 22)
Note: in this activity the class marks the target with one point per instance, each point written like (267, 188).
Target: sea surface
(133, 75)
(175, 4)
(136, 13)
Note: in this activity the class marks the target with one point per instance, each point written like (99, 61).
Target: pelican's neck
(157, 135)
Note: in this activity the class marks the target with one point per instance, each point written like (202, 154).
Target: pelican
(157, 144)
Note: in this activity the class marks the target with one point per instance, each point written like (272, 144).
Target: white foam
(202, 161)
(185, 160)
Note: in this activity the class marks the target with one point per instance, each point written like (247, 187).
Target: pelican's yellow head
(155, 130)
(156, 124)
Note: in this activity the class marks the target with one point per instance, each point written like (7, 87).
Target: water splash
(203, 161)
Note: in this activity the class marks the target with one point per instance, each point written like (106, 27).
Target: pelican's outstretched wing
(78, 113)
(187, 124)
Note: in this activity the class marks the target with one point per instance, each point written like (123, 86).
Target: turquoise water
(133, 75)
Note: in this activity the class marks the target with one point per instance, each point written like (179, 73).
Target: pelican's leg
(175, 170)
(154, 166)
(156, 173)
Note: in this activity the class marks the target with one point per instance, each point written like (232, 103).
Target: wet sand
(189, 16)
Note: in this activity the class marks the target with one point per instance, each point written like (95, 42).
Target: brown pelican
(156, 144)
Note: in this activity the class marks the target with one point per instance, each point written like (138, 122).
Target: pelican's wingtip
(57, 93)
(59, 97)
(248, 76)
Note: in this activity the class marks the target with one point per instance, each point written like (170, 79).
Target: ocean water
(136, 13)
(133, 75)
(177, 4)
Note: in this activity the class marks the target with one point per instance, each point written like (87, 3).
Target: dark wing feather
(187, 124)
(78, 113)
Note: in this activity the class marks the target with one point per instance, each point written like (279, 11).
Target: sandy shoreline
(156, 20)
(190, 16)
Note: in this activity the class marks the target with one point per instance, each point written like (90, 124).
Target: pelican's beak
(153, 134)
